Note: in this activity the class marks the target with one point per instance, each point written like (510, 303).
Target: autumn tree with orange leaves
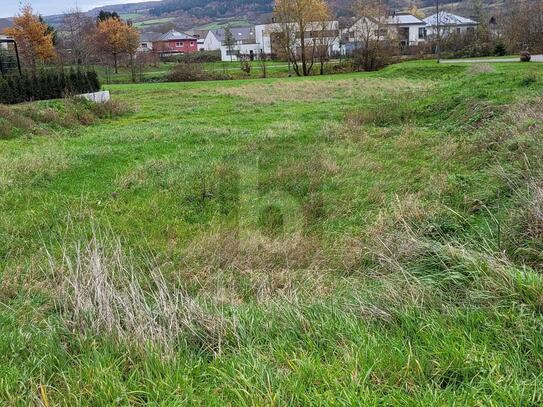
(115, 37)
(34, 38)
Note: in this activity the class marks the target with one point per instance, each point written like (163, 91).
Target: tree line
(79, 41)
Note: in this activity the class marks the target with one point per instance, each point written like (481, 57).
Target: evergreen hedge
(47, 85)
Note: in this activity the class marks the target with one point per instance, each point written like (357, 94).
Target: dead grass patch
(101, 291)
(478, 69)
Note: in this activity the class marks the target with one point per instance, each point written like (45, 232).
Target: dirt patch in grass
(315, 90)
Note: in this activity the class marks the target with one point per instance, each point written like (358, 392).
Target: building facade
(449, 23)
(174, 42)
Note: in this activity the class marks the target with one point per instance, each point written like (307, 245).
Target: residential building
(409, 30)
(324, 33)
(449, 23)
(146, 41)
(174, 42)
(200, 35)
(404, 28)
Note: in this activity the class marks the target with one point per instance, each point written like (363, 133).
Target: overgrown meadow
(359, 239)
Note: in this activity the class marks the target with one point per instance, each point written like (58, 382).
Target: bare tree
(296, 21)
(229, 41)
(374, 41)
(523, 25)
(326, 35)
(77, 31)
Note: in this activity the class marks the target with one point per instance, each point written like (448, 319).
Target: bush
(47, 85)
(200, 57)
(184, 72)
(499, 49)
(525, 56)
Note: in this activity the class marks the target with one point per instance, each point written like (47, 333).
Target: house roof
(239, 33)
(149, 37)
(175, 35)
(403, 19)
(197, 33)
(448, 19)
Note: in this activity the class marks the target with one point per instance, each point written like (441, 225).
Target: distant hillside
(185, 14)
(5, 23)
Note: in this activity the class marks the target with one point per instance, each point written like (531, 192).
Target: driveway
(535, 58)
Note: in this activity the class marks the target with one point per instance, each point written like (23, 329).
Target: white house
(320, 33)
(211, 42)
(405, 28)
(449, 23)
(409, 29)
(243, 43)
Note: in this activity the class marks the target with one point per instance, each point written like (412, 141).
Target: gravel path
(535, 58)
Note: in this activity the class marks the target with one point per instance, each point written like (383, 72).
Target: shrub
(184, 72)
(525, 56)
(195, 57)
(47, 85)
(499, 49)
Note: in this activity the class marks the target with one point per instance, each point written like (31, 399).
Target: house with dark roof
(146, 41)
(200, 35)
(449, 23)
(243, 43)
(175, 42)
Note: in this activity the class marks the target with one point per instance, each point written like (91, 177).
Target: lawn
(357, 239)
(151, 73)
(153, 21)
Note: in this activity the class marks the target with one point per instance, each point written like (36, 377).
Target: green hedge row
(47, 85)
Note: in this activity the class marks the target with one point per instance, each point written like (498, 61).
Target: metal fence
(9, 57)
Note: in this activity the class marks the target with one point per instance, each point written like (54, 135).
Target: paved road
(535, 58)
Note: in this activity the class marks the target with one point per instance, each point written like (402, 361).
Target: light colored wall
(263, 34)
(211, 43)
(244, 49)
(432, 30)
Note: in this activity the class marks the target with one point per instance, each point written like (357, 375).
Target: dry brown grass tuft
(102, 292)
(478, 69)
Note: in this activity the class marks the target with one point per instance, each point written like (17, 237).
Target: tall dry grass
(102, 291)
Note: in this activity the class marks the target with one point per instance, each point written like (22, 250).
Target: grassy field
(359, 239)
(158, 73)
(153, 21)
(216, 25)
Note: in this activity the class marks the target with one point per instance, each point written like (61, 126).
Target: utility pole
(438, 46)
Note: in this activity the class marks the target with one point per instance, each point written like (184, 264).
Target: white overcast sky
(9, 8)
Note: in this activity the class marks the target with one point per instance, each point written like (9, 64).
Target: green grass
(217, 25)
(153, 21)
(358, 239)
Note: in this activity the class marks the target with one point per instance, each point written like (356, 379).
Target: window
(192, 43)
(179, 44)
(422, 33)
(382, 32)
